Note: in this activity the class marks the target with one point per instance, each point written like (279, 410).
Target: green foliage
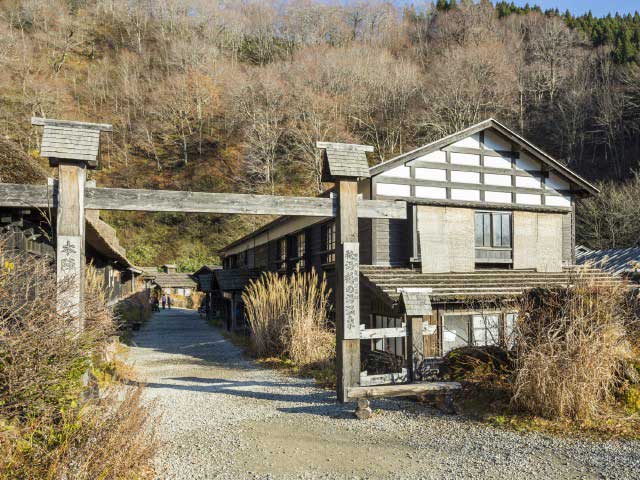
(622, 33)
(632, 399)
(477, 363)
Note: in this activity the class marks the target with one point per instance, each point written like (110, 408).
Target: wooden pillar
(347, 297)
(233, 313)
(70, 239)
(415, 347)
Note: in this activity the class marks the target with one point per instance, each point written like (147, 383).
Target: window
(455, 332)
(486, 329)
(329, 243)
(493, 237)
(477, 329)
(295, 257)
(394, 346)
(510, 320)
(301, 254)
(282, 254)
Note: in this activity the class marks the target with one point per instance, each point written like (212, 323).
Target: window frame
(328, 252)
(504, 337)
(487, 240)
(282, 248)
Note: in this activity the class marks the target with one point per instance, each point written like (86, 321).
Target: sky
(599, 8)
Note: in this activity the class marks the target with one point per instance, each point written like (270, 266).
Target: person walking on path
(164, 302)
(169, 301)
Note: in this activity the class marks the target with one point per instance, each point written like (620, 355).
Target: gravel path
(221, 416)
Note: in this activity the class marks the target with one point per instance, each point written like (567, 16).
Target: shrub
(47, 427)
(632, 399)
(570, 343)
(288, 316)
(477, 363)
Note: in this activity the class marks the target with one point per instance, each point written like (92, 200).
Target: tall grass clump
(51, 426)
(288, 317)
(570, 345)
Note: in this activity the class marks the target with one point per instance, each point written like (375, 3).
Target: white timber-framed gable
(484, 165)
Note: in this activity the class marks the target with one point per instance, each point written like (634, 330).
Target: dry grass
(570, 345)
(48, 429)
(288, 317)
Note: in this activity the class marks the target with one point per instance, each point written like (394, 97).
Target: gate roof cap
(416, 303)
(344, 160)
(70, 140)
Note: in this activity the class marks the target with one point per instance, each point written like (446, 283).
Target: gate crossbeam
(41, 196)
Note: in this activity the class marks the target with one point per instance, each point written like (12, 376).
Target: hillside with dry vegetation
(231, 96)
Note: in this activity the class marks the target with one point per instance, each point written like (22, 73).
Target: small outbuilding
(170, 281)
(213, 303)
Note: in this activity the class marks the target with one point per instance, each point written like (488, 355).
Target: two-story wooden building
(489, 215)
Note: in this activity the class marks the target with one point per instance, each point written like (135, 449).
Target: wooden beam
(204, 202)
(403, 390)
(415, 347)
(486, 205)
(469, 186)
(482, 151)
(38, 121)
(18, 195)
(383, 378)
(42, 196)
(374, 333)
(348, 147)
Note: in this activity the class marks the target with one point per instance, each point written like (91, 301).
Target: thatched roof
(471, 286)
(16, 166)
(175, 280)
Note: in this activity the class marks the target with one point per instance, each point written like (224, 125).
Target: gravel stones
(220, 416)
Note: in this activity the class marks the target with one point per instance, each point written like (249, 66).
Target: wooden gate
(74, 146)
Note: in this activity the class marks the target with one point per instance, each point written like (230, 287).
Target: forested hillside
(231, 96)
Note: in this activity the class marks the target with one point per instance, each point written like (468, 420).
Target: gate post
(344, 164)
(416, 304)
(72, 147)
(70, 240)
(347, 294)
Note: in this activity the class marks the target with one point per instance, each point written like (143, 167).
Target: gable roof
(206, 269)
(70, 140)
(500, 128)
(342, 160)
(175, 280)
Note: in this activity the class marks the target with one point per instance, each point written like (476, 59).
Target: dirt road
(221, 416)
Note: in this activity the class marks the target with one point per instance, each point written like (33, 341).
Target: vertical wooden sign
(70, 240)
(351, 290)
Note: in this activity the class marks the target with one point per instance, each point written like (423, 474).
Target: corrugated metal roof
(617, 261)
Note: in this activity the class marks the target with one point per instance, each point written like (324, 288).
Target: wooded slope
(232, 96)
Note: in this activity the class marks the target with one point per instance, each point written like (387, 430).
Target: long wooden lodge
(489, 215)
